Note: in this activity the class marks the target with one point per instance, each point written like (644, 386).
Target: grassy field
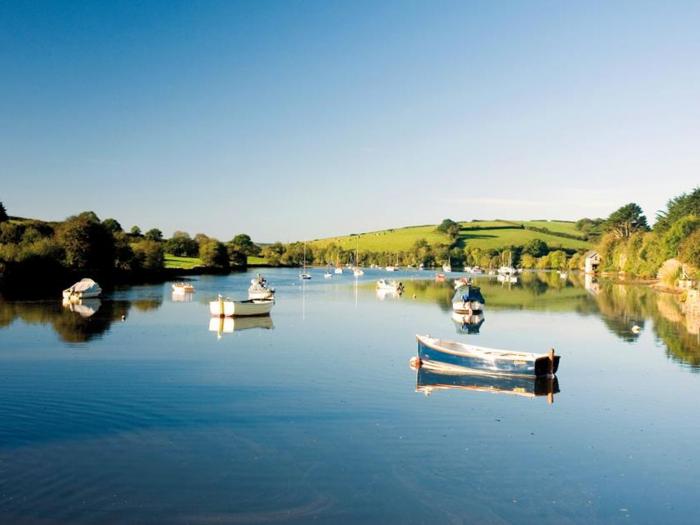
(256, 260)
(482, 234)
(181, 263)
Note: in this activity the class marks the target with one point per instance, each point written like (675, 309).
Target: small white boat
(227, 308)
(389, 286)
(304, 276)
(83, 289)
(358, 272)
(446, 268)
(507, 270)
(327, 275)
(507, 278)
(477, 270)
(338, 270)
(183, 287)
(259, 289)
(392, 269)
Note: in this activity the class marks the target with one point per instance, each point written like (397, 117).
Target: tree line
(628, 244)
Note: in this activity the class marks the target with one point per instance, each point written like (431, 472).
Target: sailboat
(357, 271)
(338, 268)
(304, 274)
(447, 267)
(391, 268)
(508, 270)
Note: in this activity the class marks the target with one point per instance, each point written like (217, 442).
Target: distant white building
(591, 262)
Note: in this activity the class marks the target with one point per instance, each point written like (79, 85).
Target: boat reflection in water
(468, 324)
(83, 307)
(228, 325)
(429, 379)
(182, 297)
(384, 294)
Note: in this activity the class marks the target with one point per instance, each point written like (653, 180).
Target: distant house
(591, 262)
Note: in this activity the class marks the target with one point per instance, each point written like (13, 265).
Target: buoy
(123, 318)
(414, 363)
(636, 329)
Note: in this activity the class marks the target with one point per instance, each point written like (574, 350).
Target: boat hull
(240, 308)
(493, 362)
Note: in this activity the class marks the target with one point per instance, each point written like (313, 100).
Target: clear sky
(291, 120)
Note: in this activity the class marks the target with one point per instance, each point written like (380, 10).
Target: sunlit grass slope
(482, 234)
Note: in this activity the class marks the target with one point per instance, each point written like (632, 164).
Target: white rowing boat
(227, 308)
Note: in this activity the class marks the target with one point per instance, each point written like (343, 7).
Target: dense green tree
(679, 232)
(86, 242)
(135, 231)
(690, 250)
(243, 243)
(149, 254)
(536, 248)
(449, 227)
(236, 257)
(154, 234)
(213, 253)
(626, 220)
(201, 238)
(124, 257)
(677, 208)
(182, 245)
(3, 213)
(112, 225)
(273, 253)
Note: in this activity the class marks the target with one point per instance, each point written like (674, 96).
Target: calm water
(313, 414)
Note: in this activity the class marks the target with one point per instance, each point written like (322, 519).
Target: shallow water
(313, 413)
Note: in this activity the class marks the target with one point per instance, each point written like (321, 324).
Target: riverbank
(34, 282)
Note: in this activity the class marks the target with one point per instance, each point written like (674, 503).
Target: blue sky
(292, 120)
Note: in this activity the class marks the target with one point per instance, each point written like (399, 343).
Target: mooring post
(551, 361)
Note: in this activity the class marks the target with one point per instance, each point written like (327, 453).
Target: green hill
(482, 234)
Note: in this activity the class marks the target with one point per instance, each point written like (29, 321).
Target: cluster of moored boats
(442, 364)
(439, 363)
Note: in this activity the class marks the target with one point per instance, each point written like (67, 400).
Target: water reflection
(74, 323)
(629, 312)
(468, 324)
(182, 297)
(83, 307)
(228, 325)
(427, 381)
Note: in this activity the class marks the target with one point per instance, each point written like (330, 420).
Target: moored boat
(83, 289)
(358, 272)
(467, 300)
(443, 354)
(183, 287)
(228, 308)
(259, 289)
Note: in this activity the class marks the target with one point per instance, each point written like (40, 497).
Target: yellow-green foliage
(484, 235)
(690, 250)
(678, 233)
